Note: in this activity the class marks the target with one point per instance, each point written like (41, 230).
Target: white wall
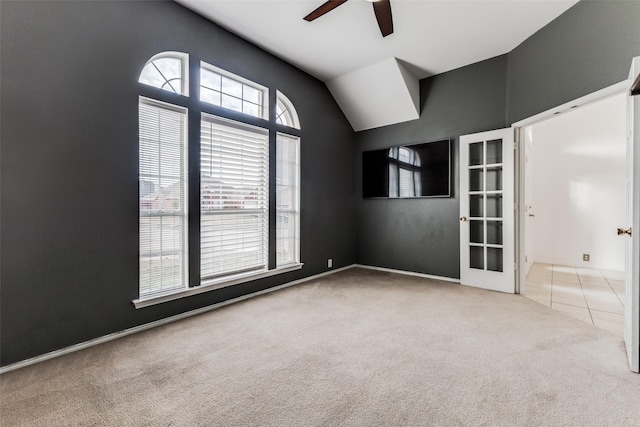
(578, 185)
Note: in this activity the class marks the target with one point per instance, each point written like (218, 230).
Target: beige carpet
(357, 348)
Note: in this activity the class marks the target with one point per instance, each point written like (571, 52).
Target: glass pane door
(487, 235)
(485, 205)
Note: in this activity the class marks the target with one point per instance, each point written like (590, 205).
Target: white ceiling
(430, 37)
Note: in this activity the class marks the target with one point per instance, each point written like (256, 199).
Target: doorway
(574, 196)
(575, 199)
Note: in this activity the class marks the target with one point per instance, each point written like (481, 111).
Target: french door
(487, 246)
(632, 229)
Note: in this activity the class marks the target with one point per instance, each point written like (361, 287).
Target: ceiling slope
(378, 95)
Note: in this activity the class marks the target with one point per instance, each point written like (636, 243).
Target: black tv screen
(408, 171)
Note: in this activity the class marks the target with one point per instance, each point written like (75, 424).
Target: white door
(529, 211)
(632, 230)
(487, 257)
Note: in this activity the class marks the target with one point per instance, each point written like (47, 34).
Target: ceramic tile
(541, 283)
(614, 275)
(563, 269)
(588, 272)
(622, 296)
(617, 284)
(578, 302)
(566, 285)
(566, 282)
(604, 315)
(564, 292)
(544, 301)
(595, 283)
(539, 296)
(592, 296)
(565, 308)
(541, 267)
(611, 308)
(598, 293)
(609, 299)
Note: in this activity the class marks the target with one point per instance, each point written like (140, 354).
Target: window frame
(195, 108)
(263, 105)
(184, 71)
(293, 212)
(288, 110)
(183, 211)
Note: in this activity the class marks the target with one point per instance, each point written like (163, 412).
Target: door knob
(463, 218)
(531, 215)
(622, 231)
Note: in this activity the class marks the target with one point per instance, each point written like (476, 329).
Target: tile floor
(593, 296)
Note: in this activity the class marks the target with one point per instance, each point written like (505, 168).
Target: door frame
(519, 129)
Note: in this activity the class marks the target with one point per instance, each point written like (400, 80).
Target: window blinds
(162, 197)
(234, 170)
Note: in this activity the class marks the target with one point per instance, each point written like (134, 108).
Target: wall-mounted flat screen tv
(408, 171)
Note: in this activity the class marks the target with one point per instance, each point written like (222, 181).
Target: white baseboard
(586, 264)
(409, 273)
(146, 326)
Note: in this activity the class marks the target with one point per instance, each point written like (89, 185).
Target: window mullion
(194, 172)
(272, 182)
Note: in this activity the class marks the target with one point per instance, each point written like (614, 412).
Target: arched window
(167, 71)
(285, 113)
(234, 242)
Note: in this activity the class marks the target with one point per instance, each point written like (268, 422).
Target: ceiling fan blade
(324, 8)
(382, 9)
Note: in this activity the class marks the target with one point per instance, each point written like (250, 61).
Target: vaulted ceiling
(374, 78)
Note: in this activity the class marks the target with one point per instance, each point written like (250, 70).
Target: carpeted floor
(357, 348)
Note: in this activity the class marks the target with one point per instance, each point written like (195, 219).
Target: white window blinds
(287, 199)
(234, 170)
(162, 197)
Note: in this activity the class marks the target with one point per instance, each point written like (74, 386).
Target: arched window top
(285, 112)
(167, 71)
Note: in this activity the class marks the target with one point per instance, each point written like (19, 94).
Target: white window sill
(212, 284)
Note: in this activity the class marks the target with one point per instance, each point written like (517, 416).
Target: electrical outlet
(329, 263)
(585, 257)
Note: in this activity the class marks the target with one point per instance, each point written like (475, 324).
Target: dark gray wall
(422, 235)
(586, 49)
(69, 236)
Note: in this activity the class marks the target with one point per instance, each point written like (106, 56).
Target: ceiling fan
(382, 9)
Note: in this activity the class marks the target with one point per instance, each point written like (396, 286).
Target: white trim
(587, 265)
(213, 284)
(239, 79)
(409, 273)
(595, 96)
(519, 127)
(281, 97)
(146, 326)
(184, 69)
